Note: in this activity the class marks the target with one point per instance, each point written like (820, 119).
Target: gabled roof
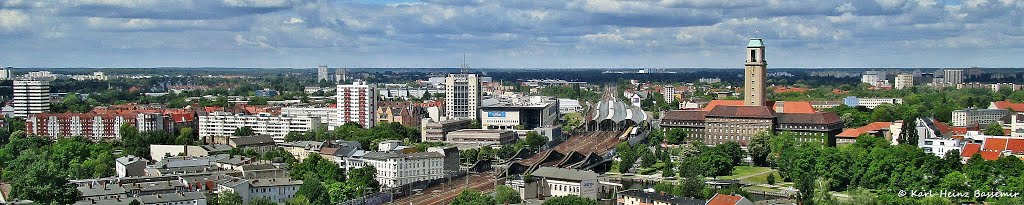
(855, 132)
(821, 118)
(1018, 107)
(995, 144)
(970, 149)
(777, 106)
(990, 155)
(724, 199)
(685, 115)
(565, 174)
(742, 112)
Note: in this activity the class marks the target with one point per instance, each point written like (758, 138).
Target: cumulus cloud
(421, 32)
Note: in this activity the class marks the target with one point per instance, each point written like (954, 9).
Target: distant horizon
(509, 33)
(501, 68)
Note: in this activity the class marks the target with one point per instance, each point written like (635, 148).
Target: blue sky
(509, 33)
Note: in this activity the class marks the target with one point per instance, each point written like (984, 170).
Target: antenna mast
(465, 67)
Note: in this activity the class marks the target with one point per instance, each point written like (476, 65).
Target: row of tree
(872, 163)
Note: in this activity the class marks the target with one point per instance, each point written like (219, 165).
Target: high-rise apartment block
(953, 77)
(462, 96)
(357, 102)
(322, 74)
(31, 97)
(904, 81)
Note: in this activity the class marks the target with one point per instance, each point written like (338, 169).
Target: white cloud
(13, 20)
(522, 28)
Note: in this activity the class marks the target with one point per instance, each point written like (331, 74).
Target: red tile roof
(990, 155)
(742, 111)
(787, 89)
(970, 149)
(997, 144)
(943, 127)
(855, 132)
(1019, 107)
(1015, 146)
(723, 199)
(685, 115)
(821, 118)
(795, 107)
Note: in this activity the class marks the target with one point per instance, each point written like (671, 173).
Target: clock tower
(754, 72)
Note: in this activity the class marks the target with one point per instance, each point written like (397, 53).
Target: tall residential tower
(31, 97)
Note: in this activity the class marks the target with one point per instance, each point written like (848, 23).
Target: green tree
(770, 178)
(569, 200)
(535, 140)
(314, 191)
(759, 148)
(676, 136)
(186, 137)
(470, 197)
(908, 132)
(316, 168)
(506, 195)
(229, 198)
(733, 151)
(244, 131)
(994, 129)
(261, 201)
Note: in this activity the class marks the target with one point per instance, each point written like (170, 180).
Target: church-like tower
(754, 72)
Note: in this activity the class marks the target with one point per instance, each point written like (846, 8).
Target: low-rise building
(870, 103)
(640, 197)
(481, 137)
(183, 198)
(438, 131)
(258, 143)
(566, 105)
(520, 113)
(302, 149)
(275, 189)
(405, 113)
(726, 199)
(978, 117)
(130, 166)
(566, 182)
(395, 169)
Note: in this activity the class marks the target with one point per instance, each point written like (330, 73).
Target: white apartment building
(277, 190)
(357, 103)
(870, 103)
(278, 126)
(462, 96)
(669, 93)
(328, 115)
(971, 117)
(904, 81)
(396, 169)
(31, 97)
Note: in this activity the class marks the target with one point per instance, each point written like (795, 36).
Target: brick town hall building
(734, 120)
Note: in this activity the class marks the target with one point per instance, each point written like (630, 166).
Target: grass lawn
(752, 174)
(615, 167)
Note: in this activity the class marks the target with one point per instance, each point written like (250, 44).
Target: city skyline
(507, 34)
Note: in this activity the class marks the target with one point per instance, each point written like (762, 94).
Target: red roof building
(1007, 105)
(725, 199)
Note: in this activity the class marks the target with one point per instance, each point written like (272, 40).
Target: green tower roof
(755, 43)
